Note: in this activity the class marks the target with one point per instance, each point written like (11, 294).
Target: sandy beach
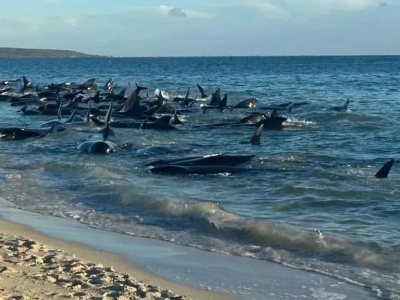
(34, 266)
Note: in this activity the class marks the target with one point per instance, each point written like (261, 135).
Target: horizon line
(216, 56)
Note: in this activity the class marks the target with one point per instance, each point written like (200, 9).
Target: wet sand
(35, 266)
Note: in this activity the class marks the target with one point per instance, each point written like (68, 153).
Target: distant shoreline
(7, 53)
(23, 53)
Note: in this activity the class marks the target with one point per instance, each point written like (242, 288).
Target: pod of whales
(86, 104)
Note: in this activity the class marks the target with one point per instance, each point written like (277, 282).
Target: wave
(204, 224)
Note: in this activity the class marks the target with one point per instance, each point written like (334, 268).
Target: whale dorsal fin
(160, 99)
(346, 104)
(176, 119)
(122, 93)
(96, 97)
(384, 171)
(186, 101)
(216, 97)
(255, 140)
(107, 130)
(25, 81)
(274, 113)
(140, 88)
(203, 94)
(223, 102)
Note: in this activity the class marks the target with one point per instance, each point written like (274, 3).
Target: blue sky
(204, 27)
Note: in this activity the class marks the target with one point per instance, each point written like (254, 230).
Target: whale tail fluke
(384, 171)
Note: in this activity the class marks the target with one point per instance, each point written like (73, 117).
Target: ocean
(316, 204)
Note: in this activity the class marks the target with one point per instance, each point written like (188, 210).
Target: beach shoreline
(28, 259)
(194, 273)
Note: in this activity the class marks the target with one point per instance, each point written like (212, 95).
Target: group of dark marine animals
(86, 103)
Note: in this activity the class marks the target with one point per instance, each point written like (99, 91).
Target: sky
(204, 27)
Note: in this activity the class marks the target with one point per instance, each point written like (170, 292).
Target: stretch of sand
(34, 266)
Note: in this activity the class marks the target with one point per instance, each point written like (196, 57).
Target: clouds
(177, 12)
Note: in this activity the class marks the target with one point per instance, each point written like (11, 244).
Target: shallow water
(316, 204)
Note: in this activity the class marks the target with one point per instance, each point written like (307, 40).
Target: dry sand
(34, 266)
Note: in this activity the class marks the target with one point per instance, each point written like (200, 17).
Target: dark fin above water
(176, 120)
(384, 171)
(26, 82)
(160, 99)
(346, 104)
(107, 130)
(274, 113)
(121, 94)
(96, 97)
(216, 98)
(201, 90)
(140, 88)
(223, 102)
(256, 138)
(186, 101)
(109, 85)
